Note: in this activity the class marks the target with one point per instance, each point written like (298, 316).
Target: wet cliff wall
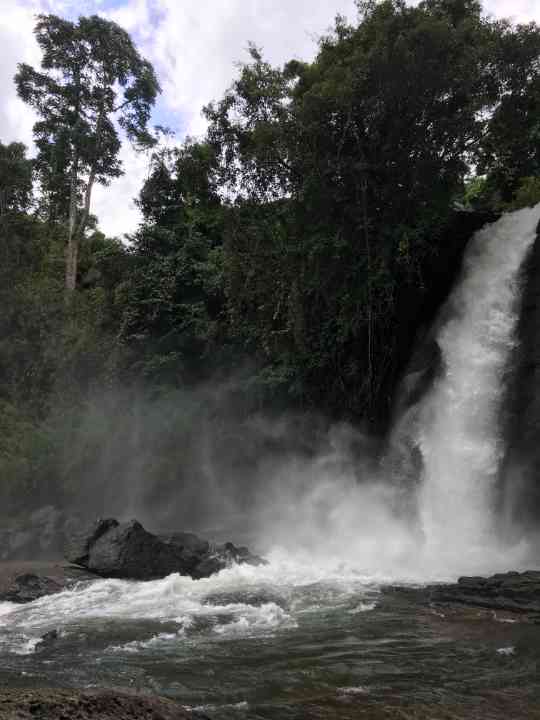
(520, 479)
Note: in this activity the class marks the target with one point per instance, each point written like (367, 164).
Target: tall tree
(93, 83)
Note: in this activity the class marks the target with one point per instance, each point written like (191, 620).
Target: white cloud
(114, 204)
(17, 44)
(194, 47)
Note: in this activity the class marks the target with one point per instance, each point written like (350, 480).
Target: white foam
(510, 650)
(363, 607)
(255, 601)
(6, 608)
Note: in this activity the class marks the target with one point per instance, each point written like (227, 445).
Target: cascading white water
(459, 435)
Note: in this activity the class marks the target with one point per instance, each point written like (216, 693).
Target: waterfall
(458, 431)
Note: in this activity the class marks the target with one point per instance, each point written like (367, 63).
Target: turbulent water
(314, 634)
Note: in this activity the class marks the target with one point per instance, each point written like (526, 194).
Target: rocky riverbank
(55, 704)
(511, 592)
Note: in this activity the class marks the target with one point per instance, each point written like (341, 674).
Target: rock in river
(126, 550)
(25, 581)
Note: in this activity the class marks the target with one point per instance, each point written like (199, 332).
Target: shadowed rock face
(127, 550)
(80, 539)
(54, 704)
(521, 473)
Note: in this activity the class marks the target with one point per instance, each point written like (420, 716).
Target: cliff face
(520, 477)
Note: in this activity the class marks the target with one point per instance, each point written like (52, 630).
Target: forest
(284, 264)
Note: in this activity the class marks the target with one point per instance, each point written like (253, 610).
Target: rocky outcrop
(56, 704)
(513, 591)
(126, 550)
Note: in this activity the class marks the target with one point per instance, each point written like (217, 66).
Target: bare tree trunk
(76, 230)
(72, 245)
(86, 208)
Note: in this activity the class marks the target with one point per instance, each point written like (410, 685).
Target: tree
(15, 178)
(510, 151)
(174, 295)
(93, 83)
(353, 160)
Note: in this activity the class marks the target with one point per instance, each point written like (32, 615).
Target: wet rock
(208, 566)
(80, 538)
(127, 550)
(56, 704)
(518, 592)
(191, 549)
(24, 581)
(47, 641)
(28, 587)
(188, 541)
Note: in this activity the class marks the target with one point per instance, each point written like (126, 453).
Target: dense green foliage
(289, 248)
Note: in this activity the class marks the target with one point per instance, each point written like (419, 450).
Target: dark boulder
(23, 582)
(80, 537)
(128, 551)
(28, 587)
(241, 555)
(209, 565)
(191, 549)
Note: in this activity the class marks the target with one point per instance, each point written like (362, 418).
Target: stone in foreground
(55, 704)
(25, 581)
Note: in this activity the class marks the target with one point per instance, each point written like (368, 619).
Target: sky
(195, 46)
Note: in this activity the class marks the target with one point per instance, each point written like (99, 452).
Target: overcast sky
(193, 45)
